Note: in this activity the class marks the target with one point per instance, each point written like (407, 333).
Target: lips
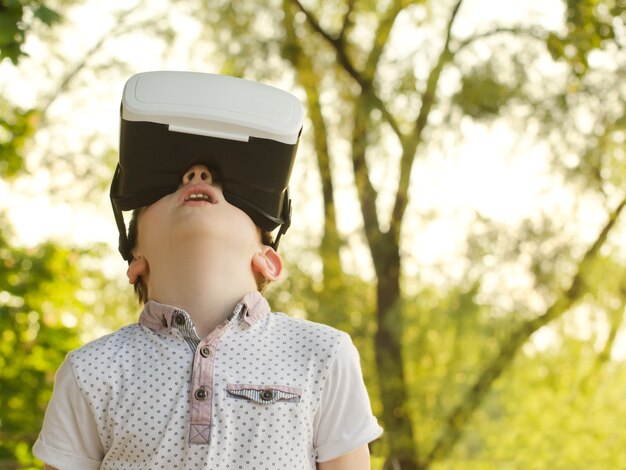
(198, 194)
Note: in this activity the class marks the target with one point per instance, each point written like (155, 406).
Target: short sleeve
(69, 438)
(345, 420)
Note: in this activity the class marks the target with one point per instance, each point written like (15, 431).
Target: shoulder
(302, 328)
(113, 340)
(331, 347)
(316, 341)
(106, 349)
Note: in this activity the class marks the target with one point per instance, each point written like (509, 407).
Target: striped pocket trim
(264, 394)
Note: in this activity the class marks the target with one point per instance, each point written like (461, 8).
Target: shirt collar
(157, 316)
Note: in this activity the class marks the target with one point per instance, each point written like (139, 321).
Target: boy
(209, 377)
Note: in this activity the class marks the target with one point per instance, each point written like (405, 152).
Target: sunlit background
(457, 206)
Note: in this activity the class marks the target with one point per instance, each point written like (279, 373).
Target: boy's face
(195, 213)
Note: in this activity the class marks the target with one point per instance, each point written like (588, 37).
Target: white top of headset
(213, 105)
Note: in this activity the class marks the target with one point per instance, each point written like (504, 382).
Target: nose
(197, 174)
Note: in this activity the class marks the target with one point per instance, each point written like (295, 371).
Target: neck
(207, 283)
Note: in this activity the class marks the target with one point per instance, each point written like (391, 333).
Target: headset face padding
(244, 131)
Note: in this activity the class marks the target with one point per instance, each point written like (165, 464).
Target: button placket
(202, 387)
(205, 351)
(201, 394)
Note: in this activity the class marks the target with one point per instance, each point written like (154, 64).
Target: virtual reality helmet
(246, 132)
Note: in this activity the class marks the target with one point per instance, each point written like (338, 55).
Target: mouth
(198, 194)
(198, 197)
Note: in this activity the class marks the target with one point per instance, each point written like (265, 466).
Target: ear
(268, 263)
(137, 268)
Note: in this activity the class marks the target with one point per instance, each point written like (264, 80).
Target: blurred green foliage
(47, 305)
(52, 298)
(590, 25)
(37, 285)
(557, 404)
(37, 293)
(558, 407)
(16, 19)
(482, 94)
(17, 127)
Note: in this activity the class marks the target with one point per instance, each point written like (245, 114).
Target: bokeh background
(458, 202)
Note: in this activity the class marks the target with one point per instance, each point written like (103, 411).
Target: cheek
(248, 231)
(150, 224)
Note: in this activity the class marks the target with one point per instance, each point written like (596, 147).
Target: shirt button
(200, 394)
(267, 395)
(205, 351)
(179, 319)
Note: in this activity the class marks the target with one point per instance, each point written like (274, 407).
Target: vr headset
(244, 131)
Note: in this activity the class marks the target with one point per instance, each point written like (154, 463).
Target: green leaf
(14, 29)
(9, 30)
(47, 15)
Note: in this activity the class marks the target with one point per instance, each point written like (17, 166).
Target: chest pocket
(264, 394)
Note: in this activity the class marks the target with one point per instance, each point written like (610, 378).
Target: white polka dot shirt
(262, 391)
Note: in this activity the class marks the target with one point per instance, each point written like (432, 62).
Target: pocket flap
(264, 394)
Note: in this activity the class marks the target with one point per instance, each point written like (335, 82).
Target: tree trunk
(389, 359)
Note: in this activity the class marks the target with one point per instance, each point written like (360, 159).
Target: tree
(347, 50)
(16, 20)
(18, 124)
(451, 355)
(51, 296)
(36, 297)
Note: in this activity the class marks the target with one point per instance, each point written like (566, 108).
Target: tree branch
(120, 26)
(338, 45)
(461, 415)
(309, 80)
(412, 142)
(365, 189)
(385, 25)
(605, 355)
(366, 84)
(381, 38)
(617, 319)
(535, 33)
(345, 25)
(428, 97)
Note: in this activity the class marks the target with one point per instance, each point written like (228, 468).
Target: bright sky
(477, 178)
(491, 171)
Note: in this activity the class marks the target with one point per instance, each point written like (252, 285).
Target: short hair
(141, 290)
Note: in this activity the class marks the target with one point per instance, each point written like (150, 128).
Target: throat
(208, 289)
